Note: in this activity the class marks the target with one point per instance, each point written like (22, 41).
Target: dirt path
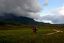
(56, 31)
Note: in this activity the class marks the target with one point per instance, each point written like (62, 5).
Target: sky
(52, 4)
(52, 13)
(27, 8)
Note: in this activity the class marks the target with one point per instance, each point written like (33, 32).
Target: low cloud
(27, 8)
(55, 16)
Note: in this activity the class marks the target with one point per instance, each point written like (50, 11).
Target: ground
(25, 35)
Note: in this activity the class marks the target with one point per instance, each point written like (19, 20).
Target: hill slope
(12, 19)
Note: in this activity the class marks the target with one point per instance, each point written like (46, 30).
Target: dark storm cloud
(27, 8)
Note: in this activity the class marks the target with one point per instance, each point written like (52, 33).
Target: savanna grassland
(24, 34)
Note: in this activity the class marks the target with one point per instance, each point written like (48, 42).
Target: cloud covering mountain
(31, 8)
(27, 8)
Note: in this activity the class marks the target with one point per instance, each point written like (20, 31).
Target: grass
(25, 35)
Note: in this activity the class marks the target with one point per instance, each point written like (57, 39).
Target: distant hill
(12, 19)
(18, 20)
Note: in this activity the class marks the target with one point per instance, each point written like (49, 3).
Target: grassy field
(25, 35)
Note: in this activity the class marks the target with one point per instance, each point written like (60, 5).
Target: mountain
(12, 19)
